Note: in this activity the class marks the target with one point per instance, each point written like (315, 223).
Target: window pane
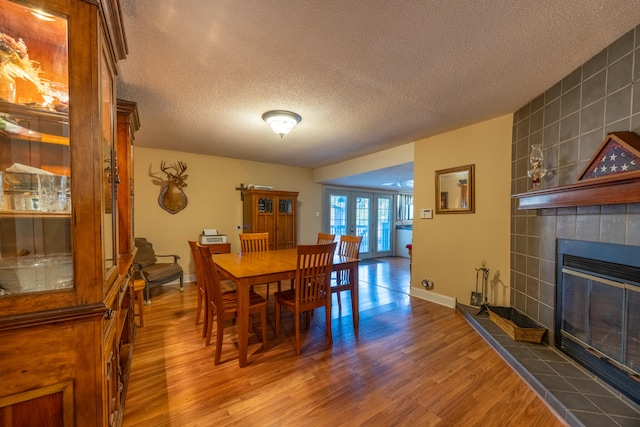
(384, 224)
(338, 215)
(362, 221)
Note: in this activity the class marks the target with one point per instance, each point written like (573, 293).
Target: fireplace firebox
(598, 310)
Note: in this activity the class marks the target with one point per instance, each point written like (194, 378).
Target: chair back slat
(212, 282)
(197, 262)
(349, 247)
(313, 273)
(254, 242)
(324, 238)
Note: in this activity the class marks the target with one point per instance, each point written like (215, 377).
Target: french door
(361, 213)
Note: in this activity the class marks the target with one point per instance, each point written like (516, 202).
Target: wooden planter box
(515, 324)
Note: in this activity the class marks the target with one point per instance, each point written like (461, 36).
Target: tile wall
(571, 120)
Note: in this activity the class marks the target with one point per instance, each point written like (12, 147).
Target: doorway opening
(361, 213)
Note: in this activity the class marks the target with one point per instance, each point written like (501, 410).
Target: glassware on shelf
(36, 273)
(56, 97)
(7, 90)
(36, 167)
(47, 192)
(54, 191)
(60, 92)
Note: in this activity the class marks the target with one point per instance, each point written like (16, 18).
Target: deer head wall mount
(172, 198)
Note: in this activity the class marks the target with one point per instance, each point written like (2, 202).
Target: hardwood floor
(412, 363)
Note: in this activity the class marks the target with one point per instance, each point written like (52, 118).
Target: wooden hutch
(66, 239)
(274, 212)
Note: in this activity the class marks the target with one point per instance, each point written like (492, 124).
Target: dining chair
(324, 238)
(200, 282)
(256, 242)
(225, 304)
(312, 289)
(349, 247)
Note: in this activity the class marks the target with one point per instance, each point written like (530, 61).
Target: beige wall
(371, 162)
(213, 199)
(448, 248)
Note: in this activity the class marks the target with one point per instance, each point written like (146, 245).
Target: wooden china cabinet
(274, 212)
(128, 124)
(66, 325)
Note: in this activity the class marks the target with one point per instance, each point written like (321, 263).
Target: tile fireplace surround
(573, 393)
(570, 120)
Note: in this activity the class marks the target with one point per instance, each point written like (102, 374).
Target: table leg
(355, 308)
(242, 292)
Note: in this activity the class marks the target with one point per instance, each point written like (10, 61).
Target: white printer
(210, 236)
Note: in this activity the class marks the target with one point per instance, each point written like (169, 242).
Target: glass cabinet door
(35, 163)
(110, 177)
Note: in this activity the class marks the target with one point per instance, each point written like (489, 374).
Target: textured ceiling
(364, 75)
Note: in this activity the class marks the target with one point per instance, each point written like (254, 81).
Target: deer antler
(183, 168)
(180, 168)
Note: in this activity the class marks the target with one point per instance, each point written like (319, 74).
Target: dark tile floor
(574, 393)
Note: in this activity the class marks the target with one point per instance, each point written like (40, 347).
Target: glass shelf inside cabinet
(35, 161)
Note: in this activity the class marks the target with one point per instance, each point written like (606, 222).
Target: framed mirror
(455, 190)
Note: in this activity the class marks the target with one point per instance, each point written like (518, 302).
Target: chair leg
(140, 308)
(220, 333)
(205, 319)
(147, 294)
(297, 322)
(279, 289)
(353, 304)
(263, 321)
(199, 307)
(181, 283)
(209, 326)
(339, 303)
(277, 318)
(327, 310)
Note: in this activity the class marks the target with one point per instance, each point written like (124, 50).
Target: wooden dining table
(256, 268)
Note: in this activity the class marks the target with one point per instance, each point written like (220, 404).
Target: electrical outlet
(426, 213)
(428, 284)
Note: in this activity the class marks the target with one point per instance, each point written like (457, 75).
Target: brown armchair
(154, 273)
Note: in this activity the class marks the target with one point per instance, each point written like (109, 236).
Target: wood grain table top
(259, 264)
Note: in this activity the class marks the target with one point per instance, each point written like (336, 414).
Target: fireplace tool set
(479, 299)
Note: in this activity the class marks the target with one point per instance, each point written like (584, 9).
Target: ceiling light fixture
(281, 121)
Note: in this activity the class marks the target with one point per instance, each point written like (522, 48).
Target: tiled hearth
(574, 393)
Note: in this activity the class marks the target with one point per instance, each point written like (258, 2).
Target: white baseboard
(433, 297)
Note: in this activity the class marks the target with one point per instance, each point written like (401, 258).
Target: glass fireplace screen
(598, 314)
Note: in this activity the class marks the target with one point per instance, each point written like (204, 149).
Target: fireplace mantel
(596, 185)
(615, 189)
